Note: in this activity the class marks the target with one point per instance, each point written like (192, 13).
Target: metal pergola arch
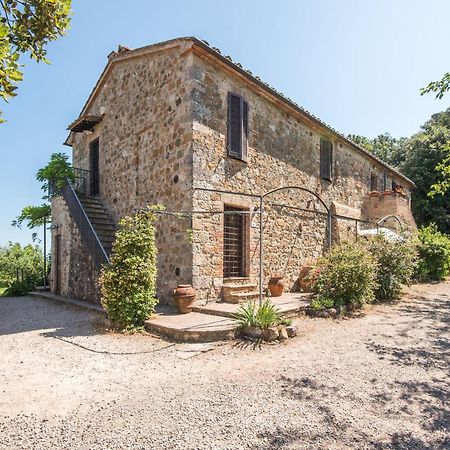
(261, 198)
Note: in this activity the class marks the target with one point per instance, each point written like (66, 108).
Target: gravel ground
(377, 381)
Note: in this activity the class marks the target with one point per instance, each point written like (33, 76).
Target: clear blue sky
(356, 64)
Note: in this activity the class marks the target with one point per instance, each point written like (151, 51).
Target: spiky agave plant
(267, 315)
(245, 316)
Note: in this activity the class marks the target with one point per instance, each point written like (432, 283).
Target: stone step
(94, 216)
(102, 221)
(237, 280)
(96, 212)
(108, 233)
(106, 241)
(290, 305)
(229, 289)
(240, 287)
(107, 228)
(89, 199)
(241, 297)
(93, 207)
(192, 327)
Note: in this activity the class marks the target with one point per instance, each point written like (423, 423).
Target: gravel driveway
(379, 381)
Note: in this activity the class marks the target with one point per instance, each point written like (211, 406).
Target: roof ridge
(215, 51)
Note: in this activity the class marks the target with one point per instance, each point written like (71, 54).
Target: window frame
(373, 183)
(329, 175)
(242, 152)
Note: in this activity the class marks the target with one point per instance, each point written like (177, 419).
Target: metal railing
(87, 232)
(85, 181)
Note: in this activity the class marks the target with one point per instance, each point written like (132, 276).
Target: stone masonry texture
(163, 136)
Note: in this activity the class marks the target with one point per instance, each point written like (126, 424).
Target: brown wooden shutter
(237, 127)
(234, 125)
(373, 182)
(326, 159)
(244, 130)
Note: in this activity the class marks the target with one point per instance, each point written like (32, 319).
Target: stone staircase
(239, 290)
(100, 220)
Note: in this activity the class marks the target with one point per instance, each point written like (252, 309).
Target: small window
(326, 159)
(373, 182)
(237, 127)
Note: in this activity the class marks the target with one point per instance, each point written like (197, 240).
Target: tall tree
(26, 27)
(52, 178)
(424, 152)
(442, 185)
(15, 259)
(389, 149)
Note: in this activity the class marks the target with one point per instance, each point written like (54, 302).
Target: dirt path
(378, 381)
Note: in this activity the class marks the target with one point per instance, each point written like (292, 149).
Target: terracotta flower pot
(184, 296)
(276, 286)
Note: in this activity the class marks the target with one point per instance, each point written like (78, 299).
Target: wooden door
(94, 167)
(58, 265)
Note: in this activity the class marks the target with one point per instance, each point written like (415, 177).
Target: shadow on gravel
(426, 317)
(22, 314)
(415, 334)
(342, 432)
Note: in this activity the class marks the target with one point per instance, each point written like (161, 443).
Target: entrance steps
(239, 290)
(214, 322)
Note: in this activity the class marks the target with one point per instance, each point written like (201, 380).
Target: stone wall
(382, 204)
(78, 273)
(283, 151)
(145, 149)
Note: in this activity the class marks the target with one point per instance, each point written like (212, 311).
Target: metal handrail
(83, 180)
(84, 225)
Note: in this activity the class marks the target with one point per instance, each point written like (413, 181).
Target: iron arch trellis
(261, 198)
(261, 230)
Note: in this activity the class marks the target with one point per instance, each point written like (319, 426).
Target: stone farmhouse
(235, 164)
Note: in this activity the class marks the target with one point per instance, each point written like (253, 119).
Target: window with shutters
(237, 127)
(326, 159)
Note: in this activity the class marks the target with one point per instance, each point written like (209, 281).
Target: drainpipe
(329, 230)
(261, 253)
(45, 253)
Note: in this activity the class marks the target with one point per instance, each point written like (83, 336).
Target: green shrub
(18, 289)
(346, 277)
(434, 254)
(128, 284)
(253, 315)
(396, 263)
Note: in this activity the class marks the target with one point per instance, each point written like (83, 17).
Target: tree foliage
(442, 186)
(439, 87)
(33, 216)
(434, 252)
(26, 27)
(425, 159)
(425, 151)
(15, 259)
(384, 146)
(53, 176)
(54, 173)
